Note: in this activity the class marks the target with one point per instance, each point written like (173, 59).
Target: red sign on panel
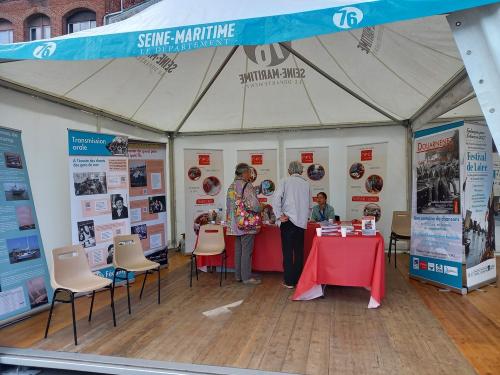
(204, 159)
(365, 199)
(307, 157)
(423, 265)
(366, 155)
(205, 201)
(257, 159)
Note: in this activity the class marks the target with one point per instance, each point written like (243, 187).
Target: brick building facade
(23, 20)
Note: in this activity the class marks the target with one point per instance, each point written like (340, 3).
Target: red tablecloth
(267, 255)
(352, 261)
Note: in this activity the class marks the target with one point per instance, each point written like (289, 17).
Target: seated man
(322, 211)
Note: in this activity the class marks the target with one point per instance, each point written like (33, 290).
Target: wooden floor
(418, 329)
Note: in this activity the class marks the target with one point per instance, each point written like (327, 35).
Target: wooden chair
(400, 231)
(129, 257)
(72, 275)
(210, 242)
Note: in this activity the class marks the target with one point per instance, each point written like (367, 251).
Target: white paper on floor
(221, 310)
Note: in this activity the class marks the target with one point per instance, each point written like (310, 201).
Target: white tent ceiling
(397, 67)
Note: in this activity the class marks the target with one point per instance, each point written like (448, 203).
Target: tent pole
(171, 180)
(205, 90)
(477, 34)
(337, 83)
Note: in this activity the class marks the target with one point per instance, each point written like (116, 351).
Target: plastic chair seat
(140, 266)
(86, 284)
(208, 252)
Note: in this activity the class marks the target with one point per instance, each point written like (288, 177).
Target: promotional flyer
(264, 177)
(367, 166)
(99, 191)
(148, 200)
(24, 277)
(479, 212)
(204, 193)
(315, 161)
(436, 239)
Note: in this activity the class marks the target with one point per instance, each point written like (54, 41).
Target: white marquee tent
(388, 74)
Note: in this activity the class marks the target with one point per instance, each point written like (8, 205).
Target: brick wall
(18, 11)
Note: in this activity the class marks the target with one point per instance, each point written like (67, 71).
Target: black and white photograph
(90, 183)
(37, 292)
(438, 175)
(138, 173)
(157, 204)
(356, 171)
(118, 208)
(15, 191)
(316, 172)
(23, 249)
(86, 233)
(119, 146)
(13, 160)
(141, 230)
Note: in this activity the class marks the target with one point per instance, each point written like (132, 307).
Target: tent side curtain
(173, 26)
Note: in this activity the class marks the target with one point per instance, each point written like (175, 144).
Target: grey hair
(295, 167)
(241, 168)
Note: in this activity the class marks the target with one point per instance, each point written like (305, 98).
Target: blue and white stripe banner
(173, 26)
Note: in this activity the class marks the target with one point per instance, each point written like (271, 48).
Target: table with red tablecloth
(267, 255)
(354, 260)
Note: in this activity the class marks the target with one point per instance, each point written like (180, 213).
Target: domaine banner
(24, 277)
(204, 195)
(148, 201)
(365, 182)
(264, 177)
(436, 240)
(479, 207)
(99, 190)
(315, 161)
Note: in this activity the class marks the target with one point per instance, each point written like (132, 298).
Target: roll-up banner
(315, 161)
(264, 177)
(24, 276)
(204, 191)
(99, 191)
(453, 232)
(148, 200)
(367, 165)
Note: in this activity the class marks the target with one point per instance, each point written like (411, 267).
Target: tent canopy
(153, 69)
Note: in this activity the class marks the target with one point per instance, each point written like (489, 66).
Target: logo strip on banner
(24, 276)
(436, 239)
(99, 191)
(267, 29)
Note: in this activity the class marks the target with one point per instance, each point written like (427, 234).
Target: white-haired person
(242, 190)
(292, 204)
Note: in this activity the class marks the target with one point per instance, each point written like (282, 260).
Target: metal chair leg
(395, 252)
(221, 268)
(191, 273)
(158, 285)
(111, 293)
(390, 249)
(91, 305)
(143, 283)
(196, 267)
(128, 293)
(50, 312)
(225, 265)
(73, 314)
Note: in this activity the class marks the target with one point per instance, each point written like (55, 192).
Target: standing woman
(292, 204)
(242, 191)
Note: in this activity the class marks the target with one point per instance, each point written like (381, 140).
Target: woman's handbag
(246, 219)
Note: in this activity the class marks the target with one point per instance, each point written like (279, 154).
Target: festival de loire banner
(204, 196)
(148, 201)
(24, 277)
(365, 182)
(99, 191)
(315, 161)
(264, 177)
(452, 236)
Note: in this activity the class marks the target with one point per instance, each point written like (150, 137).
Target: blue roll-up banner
(99, 191)
(24, 276)
(452, 241)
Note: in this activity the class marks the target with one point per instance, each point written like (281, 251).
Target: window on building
(82, 20)
(6, 32)
(38, 27)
